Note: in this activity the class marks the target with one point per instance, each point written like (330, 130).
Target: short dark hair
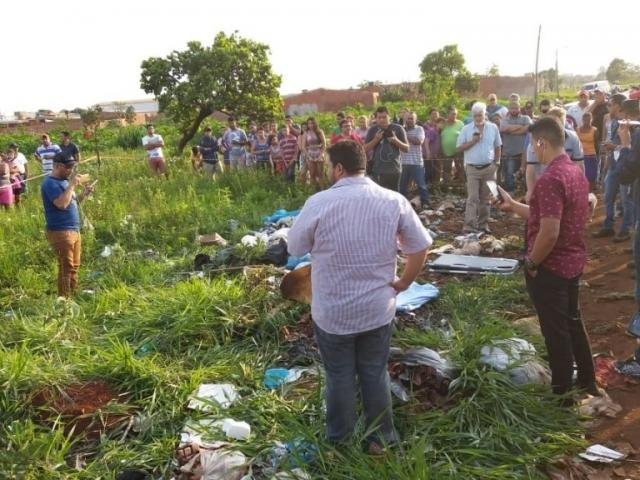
(64, 133)
(545, 102)
(632, 107)
(550, 129)
(431, 110)
(287, 116)
(341, 114)
(382, 109)
(618, 99)
(149, 125)
(13, 145)
(195, 150)
(350, 155)
(207, 129)
(231, 118)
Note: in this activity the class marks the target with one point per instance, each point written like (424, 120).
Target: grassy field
(154, 334)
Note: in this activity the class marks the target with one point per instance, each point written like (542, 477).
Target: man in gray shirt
(513, 128)
(384, 141)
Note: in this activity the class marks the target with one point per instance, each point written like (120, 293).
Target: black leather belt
(482, 167)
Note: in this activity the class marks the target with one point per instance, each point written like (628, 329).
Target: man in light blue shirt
(481, 144)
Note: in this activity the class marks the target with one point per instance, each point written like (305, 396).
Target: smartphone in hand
(493, 187)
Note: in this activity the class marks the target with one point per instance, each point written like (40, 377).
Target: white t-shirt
(20, 161)
(155, 138)
(576, 112)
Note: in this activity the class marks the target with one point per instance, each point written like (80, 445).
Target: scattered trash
(106, 251)
(614, 296)
(424, 372)
(630, 368)
(415, 296)
(607, 374)
(224, 394)
(277, 253)
(211, 462)
(88, 291)
(601, 406)
(469, 264)
(601, 454)
(293, 262)
(249, 241)
(446, 205)
(501, 354)
(294, 453)
(211, 239)
(235, 429)
(276, 377)
(295, 474)
(279, 215)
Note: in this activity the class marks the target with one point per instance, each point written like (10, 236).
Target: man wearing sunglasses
(63, 218)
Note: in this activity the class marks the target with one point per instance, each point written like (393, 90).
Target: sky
(67, 54)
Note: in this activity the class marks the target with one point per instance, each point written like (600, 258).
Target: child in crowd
(6, 187)
(277, 158)
(196, 159)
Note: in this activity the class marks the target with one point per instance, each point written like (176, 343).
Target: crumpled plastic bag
(415, 296)
(501, 354)
(425, 356)
(222, 464)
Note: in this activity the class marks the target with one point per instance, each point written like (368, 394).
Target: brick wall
(323, 100)
(505, 86)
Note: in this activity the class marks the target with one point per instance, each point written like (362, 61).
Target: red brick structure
(324, 100)
(504, 86)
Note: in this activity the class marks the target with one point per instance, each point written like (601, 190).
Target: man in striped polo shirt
(289, 147)
(352, 231)
(45, 153)
(412, 166)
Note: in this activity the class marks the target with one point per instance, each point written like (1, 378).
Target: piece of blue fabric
(415, 296)
(293, 262)
(278, 214)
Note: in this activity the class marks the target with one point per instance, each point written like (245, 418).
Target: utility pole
(535, 95)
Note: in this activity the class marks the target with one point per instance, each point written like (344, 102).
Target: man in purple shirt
(352, 231)
(556, 256)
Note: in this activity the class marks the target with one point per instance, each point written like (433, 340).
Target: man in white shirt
(579, 109)
(153, 143)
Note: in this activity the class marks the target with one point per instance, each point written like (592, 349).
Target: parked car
(597, 84)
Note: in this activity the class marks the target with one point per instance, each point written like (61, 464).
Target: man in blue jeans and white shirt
(353, 231)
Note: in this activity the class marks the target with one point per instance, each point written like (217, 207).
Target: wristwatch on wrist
(530, 264)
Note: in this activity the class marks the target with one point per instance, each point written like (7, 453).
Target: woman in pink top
(588, 138)
(6, 187)
(313, 144)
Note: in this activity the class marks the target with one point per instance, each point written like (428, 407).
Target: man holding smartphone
(481, 144)
(386, 140)
(63, 218)
(556, 255)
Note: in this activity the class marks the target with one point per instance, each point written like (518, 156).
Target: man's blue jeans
(511, 165)
(611, 189)
(365, 355)
(415, 172)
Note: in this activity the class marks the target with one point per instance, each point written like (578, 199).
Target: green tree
(130, 115)
(232, 76)
(620, 71)
(91, 118)
(493, 70)
(440, 71)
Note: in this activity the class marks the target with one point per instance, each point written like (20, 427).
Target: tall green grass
(154, 335)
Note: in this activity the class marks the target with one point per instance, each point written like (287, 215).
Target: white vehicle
(598, 84)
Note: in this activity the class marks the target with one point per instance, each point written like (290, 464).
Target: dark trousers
(556, 302)
(387, 180)
(363, 354)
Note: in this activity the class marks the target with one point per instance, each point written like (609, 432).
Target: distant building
(144, 105)
(502, 86)
(324, 100)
